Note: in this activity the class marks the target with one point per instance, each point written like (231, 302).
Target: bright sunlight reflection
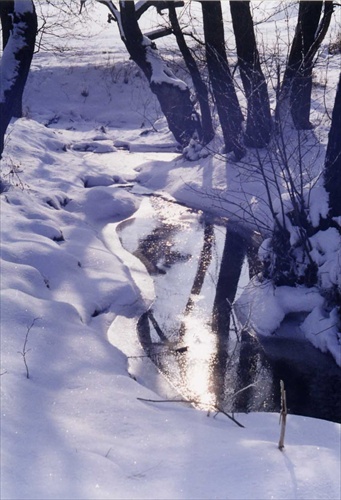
(199, 361)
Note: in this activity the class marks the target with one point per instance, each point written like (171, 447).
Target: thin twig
(192, 401)
(25, 350)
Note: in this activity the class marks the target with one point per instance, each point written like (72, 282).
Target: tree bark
(199, 85)
(258, 122)
(297, 82)
(6, 9)
(16, 59)
(225, 96)
(172, 93)
(332, 168)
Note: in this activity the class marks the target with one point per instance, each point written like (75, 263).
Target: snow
(75, 429)
(264, 306)
(22, 6)
(160, 72)
(320, 327)
(318, 204)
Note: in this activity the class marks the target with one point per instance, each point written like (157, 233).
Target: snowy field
(72, 426)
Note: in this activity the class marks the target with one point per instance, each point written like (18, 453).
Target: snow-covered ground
(75, 429)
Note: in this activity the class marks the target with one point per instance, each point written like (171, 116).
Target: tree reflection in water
(203, 355)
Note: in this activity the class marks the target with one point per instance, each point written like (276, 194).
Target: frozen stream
(177, 333)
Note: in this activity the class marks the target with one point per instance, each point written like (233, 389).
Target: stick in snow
(283, 416)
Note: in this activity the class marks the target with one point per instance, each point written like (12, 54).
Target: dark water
(312, 379)
(233, 370)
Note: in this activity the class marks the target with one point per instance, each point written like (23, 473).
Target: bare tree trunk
(199, 85)
(332, 168)
(297, 82)
(225, 96)
(172, 93)
(6, 12)
(258, 123)
(16, 59)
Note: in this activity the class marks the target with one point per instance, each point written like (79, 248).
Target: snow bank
(75, 429)
(263, 307)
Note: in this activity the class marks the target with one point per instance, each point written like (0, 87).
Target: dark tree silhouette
(258, 122)
(225, 96)
(332, 169)
(19, 23)
(297, 81)
(173, 94)
(6, 11)
(199, 84)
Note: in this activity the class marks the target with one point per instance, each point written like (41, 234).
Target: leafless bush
(60, 24)
(10, 176)
(24, 350)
